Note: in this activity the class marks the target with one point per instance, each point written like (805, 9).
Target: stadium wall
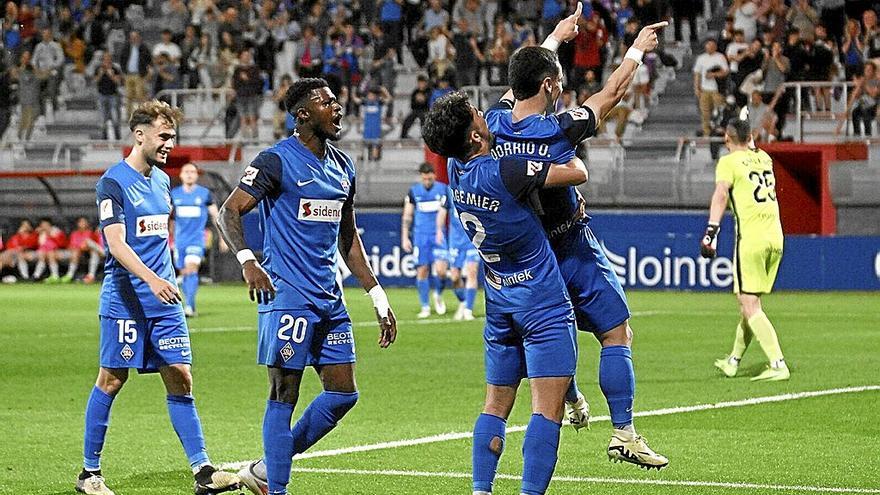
(658, 251)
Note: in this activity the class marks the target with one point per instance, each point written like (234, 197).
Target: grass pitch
(431, 382)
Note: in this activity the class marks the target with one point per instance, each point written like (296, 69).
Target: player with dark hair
(529, 329)
(141, 318)
(744, 177)
(305, 188)
(524, 125)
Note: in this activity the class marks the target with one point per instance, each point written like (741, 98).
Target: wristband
(635, 55)
(245, 255)
(551, 43)
(380, 301)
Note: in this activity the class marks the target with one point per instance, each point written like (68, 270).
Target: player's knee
(111, 382)
(619, 335)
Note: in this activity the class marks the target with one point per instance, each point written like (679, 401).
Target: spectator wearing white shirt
(708, 68)
(745, 16)
(167, 47)
(48, 59)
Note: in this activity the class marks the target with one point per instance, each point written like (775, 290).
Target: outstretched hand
(567, 29)
(259, 284)
(647, 41)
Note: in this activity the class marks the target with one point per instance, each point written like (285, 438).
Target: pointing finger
(578, 10)
(657, 25)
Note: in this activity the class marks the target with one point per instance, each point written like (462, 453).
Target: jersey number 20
(765, 186)
(293, 329)
(479, 234)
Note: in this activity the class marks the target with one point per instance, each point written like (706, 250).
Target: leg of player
(457, 283)
(107, 386)
(423, 286)
(190, 284)
(489, 435)
(185, 419)
(73, 265)
(741, 341)
(618, 383)
(441, 266)
(765, 334)
(470, 289)
(541, 443)
(323, 414)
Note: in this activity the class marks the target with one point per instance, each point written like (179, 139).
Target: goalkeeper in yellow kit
(745, 179)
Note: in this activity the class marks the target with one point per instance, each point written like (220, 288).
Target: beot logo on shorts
(320, 210)
(151, 225)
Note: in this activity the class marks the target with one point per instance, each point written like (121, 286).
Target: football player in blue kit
(304, 188)
(142, 321)
(193, 204)
(422, 235)
(529, 331)
(464, 262)
(524, 126)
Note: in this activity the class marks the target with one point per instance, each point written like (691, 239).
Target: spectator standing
(28, 97)
(833, 16)
(761, 119)
(776, 69)
(188, 44)
(745, 17)
(852, 49)
(440, 54)
(248, 85)
(709, 67)
(391, 17)
(48, 60)
(750, 62)
(821, 67)
(165, 75)
(84, 240)
(684, 10)
(108, 79)
(803, 16)
(864, 101)
(435, 16)
(468, 58)
(308, 54)
(871, 33)
(587, 48)
(168, 47)
(135, 62)
(474, 11)
(498, 60)
(371, 111)
(6, 101)
(175, 16)
(203, 62)
(418, 104)
(551, 14)
(280, 128)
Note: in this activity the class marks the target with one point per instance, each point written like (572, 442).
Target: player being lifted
(745, 179)
(428, 244)
(305, 190)
(192, 205)
(524, 125)
(529, 329)
(464, 262)
(141, 318)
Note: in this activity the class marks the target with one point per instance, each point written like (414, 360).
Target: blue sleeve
(521, 177)
(110, 201)
(578, 124)
(262, 177)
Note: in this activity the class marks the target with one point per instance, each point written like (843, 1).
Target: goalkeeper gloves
(709, 244)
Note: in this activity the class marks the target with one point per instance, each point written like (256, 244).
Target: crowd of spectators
(45, 246)
(766, 43)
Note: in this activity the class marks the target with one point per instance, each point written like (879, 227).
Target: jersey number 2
(479, 234)
(765, 185)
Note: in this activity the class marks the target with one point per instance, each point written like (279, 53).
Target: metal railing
(799, 90)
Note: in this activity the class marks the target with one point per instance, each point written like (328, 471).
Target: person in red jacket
(21, 248)
(84, 240)
(52, 244)
(588, 46)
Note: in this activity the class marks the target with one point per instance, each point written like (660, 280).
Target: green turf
(431, 381)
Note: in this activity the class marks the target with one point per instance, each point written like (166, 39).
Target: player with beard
(141, 317)
(305, 190)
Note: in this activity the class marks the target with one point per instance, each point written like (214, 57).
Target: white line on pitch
(445, 437)
(591, 479)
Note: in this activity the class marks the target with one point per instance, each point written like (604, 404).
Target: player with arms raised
(305, 190)
(524, 125)
(192, 206)
(142, 321)
(745, 178)
(529, 328)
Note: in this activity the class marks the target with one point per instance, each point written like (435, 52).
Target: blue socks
(618, 382)
(320, 417)
(190, 287)
(485, 457)
(97, 420)
(185, 419)
(540, 450)
(277, 445)
(460, 294)
(469, 296)
(423, 286)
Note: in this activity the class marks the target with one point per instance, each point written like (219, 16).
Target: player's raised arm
(352, 250)
(523, 177)
(572, 173)
(615, 88)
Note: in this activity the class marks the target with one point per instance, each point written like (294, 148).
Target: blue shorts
(596, 293)
(189, 253)
(534, 344)
(145, 344)
(462, 255)
(296, 338)
(427, 251)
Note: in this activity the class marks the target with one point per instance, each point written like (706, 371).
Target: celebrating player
(192, 205)
(142, 322)
(523, 128)
(745, 178)
(305, 189)
(529, 328)
(420, 207)
(464, 262)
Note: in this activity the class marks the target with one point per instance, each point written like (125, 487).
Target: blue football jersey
(458, 238)
(548, 138)
(490, 197)
(190, 215)
(301, 198)
(372, 119)
(142, 204)
(427, 203)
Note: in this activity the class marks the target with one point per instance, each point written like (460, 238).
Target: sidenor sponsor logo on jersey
(151, 225)
(320, 210)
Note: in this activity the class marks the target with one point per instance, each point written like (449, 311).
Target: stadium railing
(828, 123)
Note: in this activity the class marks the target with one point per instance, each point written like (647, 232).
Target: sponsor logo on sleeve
(534, 168)
(320, 210)
(151, 225)
(106, 209)
(250, 173)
